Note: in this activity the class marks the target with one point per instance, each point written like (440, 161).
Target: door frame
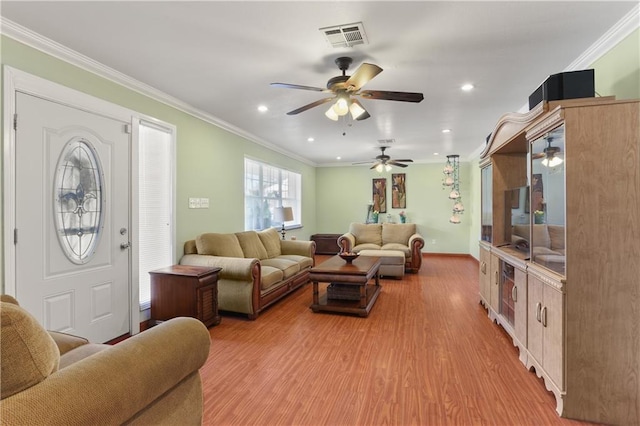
(16, 80)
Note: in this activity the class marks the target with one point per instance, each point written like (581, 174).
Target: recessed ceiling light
(338, 158)
(263, 108)
(446, 130)
(466, 87)
(436, 153)
(310, 139)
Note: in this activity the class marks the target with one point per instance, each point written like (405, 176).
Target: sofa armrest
(417, 241)
(67, 342)
(346, 242)
(233, 268)
(111, 386)
(300, 248)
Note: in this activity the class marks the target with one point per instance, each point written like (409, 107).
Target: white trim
(52, 48)
(614, 35)
(625, 26)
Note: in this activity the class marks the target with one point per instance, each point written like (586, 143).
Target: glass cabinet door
(547, 200)
(486, 177)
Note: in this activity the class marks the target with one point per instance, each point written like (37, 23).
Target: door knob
(124, 246)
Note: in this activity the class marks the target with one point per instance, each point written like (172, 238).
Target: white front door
(72, 218)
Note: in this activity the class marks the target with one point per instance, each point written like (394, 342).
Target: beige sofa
(258, 268)
(385, 236)
(51, 378)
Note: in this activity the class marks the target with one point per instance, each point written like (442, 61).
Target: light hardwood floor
(426, 355)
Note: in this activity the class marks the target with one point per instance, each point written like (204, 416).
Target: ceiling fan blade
(539, 155)
(404, 161)
(362, 76)
(392, 96)
(311, 105)
(375, 165)
(297, 86)
(395, 163)
(362, 162)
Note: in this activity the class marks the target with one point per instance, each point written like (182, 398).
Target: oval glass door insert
(78, 200)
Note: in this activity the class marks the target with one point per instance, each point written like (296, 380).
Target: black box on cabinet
(565, 85)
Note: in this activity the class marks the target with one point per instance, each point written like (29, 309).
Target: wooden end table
(335, 270)
(185, 291)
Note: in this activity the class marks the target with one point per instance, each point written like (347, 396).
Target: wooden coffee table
(338, 272)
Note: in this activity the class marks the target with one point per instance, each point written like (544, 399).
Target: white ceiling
(221, 56)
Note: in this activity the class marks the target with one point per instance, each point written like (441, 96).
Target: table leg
(316, 299)
(363, 296)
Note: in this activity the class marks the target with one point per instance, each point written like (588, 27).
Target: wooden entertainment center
(560, 250)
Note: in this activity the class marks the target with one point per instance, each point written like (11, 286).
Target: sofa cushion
(359, 247)
(288, 267)
(28, 353)
(304, 261)
(251, 245)
(398, 233)
(271, 241)
(269, 276)
(556, 237)
(398, 247)
(366, 233)
(212, 244)
(540, 236)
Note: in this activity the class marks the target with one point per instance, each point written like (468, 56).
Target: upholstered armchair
(51, 378)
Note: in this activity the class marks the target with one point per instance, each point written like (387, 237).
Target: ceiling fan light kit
(384, 162)
(345, 88)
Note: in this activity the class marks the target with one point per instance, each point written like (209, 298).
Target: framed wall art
(379, 195)
(398, 191)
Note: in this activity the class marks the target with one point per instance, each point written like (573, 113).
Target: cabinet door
(553, 324)
(520, 306)
(485, 275)
(495, 283)
(534, 327)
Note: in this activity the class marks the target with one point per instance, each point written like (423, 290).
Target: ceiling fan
(344, 88)
(383, 161)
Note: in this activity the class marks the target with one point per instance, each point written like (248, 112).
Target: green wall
(210, 160)
(618, 71)
(343, 194)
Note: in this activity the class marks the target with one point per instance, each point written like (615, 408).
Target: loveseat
(51, 378)
(258, 268)
(385, 236)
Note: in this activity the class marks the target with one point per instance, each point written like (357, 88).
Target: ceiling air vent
(345, 35)
(386, 142)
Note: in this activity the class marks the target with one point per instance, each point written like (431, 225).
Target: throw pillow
(226, 245)
(397, 233)
(251, 245)
(28, 353)
(271, 241)
(366, 233)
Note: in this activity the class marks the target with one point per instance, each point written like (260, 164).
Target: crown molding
(625, 26)
(43, 44)
(621, 30)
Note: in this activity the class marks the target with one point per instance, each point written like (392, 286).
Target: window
(155, 204)
(267, 187)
